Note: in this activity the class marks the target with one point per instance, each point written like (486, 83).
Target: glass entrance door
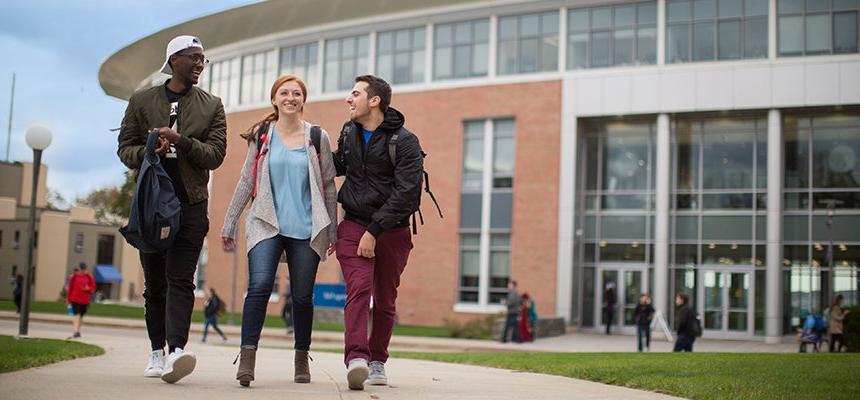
(724, 303)
(624, 285)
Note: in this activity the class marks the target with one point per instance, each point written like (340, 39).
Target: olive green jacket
(202, 125)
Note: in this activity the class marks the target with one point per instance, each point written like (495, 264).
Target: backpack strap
(262, 138)
(316, 136)
(392, 148)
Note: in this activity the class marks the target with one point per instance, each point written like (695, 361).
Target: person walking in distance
(686, 324)
(289, 177)
(79, 294)
(381, 190)
(192, 142)
(212, 309)
(837, 315)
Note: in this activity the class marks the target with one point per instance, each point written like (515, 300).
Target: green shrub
(479, 328)
(851, 330)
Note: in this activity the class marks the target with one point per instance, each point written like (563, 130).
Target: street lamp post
(38, 138)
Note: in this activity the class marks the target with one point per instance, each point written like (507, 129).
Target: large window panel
(528, 43)
(727, 228)
(400, 55)
(716, 29)
(301, 61)
(727, 160)
(615, 35)
(345, 59)
(258, 72)
(817, 27)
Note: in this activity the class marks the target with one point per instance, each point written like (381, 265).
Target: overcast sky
(56, 47)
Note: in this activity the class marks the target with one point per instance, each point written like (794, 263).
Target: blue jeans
(213, 321)
(263, 259)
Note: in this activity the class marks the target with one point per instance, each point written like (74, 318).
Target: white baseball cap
(176, 45)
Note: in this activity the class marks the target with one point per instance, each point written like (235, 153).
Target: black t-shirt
(171, 160)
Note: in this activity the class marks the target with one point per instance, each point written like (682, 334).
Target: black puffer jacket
(375, 193)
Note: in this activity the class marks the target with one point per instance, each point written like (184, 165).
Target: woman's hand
(330, 249)
(228, 244)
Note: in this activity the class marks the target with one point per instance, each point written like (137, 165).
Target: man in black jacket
(383, 165)
(685, 324)
(192, 130)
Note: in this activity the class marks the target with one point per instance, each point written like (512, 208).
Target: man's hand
(366, 246)
(163, 147)
(330, 250)
(169, 134)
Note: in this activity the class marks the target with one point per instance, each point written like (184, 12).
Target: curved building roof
(127, 69)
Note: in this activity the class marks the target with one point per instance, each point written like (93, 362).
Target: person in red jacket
(78, 294)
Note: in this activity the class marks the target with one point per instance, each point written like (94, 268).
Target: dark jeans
(169, 280)
(212, 320)
(684, 343)
(263, 259)
(610, 316)
(17, 298)
(512, 325)
(643, 332)
(834, 337)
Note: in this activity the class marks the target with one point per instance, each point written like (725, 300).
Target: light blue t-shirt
(288, 170)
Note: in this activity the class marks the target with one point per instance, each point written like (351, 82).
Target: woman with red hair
(289, 178)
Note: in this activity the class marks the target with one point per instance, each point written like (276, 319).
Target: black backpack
(392, 154)
(155, 210)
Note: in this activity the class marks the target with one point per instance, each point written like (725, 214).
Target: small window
(17, 242)
(79, 242)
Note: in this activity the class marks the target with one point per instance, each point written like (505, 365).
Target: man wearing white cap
(192, 141)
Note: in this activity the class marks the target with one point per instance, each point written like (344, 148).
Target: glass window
(501, 206)
(345, 59)
(400, 55)
(616, 35)
(528, 43)
(258, 72)
(301, 61)
(225, 80)
(845, 32)
(461, 49)
(817, 27)
(717, 30)
(727, 160)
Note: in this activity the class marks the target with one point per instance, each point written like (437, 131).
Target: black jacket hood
(393, 121)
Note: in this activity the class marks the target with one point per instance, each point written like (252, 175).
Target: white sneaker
(156, 364)
(179, 364)
(356, 373)
(377, 374)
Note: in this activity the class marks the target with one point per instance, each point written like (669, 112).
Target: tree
(56, 201)
(112, 203)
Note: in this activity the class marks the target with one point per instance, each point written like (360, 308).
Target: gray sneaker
(377, 374)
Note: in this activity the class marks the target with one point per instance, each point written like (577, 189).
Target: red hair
(273, 116)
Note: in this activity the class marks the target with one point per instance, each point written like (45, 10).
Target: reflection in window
(704, 30)
(258, 71)
(400, 55)
(461, 49)
(615, 35)
(817, 27)
(528, 43)
(301, 61)
(344, 60)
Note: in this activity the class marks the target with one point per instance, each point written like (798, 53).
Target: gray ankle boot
(247, 358)
(303, 370)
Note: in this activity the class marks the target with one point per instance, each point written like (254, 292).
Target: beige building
(64, 239)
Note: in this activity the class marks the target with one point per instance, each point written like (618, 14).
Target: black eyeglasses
(196, 58)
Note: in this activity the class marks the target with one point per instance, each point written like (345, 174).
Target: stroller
(814, 332)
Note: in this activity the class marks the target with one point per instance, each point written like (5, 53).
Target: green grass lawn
(28, 353)
(273, 321)
(690, 375)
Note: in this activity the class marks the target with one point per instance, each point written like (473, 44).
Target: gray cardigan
(261, 222)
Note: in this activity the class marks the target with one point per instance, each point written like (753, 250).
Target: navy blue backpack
(154, 218)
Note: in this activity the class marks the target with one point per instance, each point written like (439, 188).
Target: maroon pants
(365, 277)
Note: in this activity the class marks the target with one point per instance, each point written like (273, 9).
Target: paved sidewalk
(572, 342)
(118, 375)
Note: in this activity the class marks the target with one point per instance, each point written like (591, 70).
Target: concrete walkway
(572, 342)
(118, 375)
